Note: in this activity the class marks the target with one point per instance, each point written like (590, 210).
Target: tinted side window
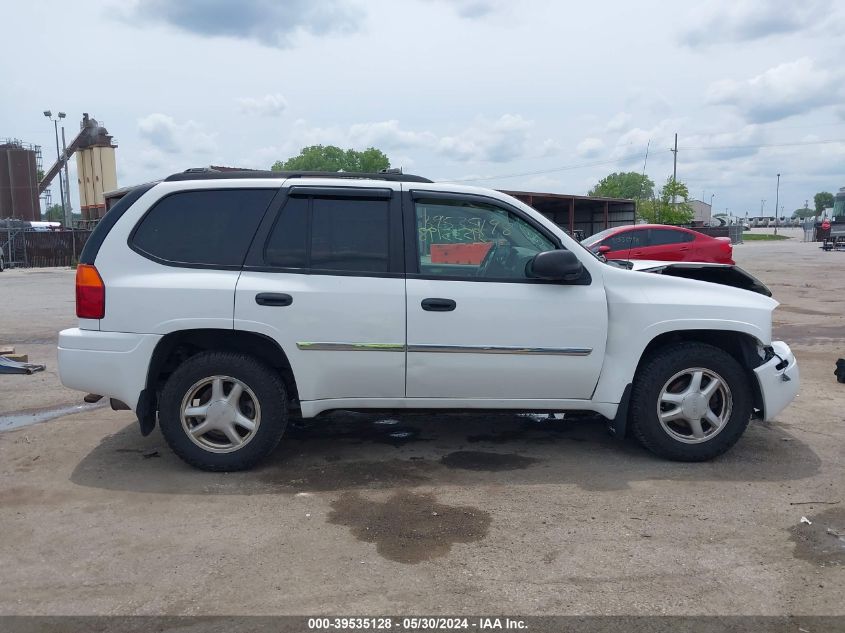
(350, 235)
(287, 244)
(659, 237)
(626, 240)
(210, 227)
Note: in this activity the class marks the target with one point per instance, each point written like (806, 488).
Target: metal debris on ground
(806, 520)
(8, 366)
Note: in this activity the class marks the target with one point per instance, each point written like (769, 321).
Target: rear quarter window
(212, 227)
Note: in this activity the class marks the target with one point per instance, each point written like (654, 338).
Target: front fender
(645, 306)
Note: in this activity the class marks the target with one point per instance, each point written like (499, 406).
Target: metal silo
(19, 181)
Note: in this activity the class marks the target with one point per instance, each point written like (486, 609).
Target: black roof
(212, 174)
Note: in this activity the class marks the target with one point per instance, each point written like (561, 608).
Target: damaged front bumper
(778, 379)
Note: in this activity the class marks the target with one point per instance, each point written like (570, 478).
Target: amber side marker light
(90, 293)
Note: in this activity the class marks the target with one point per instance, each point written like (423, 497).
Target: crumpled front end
(779, 380)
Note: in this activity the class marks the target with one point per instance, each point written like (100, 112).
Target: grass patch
(763, 237)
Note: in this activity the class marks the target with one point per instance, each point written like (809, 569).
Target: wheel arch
(742, 346)
(176, 347)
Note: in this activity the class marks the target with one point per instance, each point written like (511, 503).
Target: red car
(662, 243)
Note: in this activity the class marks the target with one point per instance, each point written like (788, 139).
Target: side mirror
(604, 249)
(555, 266)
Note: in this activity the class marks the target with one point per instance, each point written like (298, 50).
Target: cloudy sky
(537, 95)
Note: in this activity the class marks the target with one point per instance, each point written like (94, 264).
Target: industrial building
(702, 213)
(582, 216)
(22, 184)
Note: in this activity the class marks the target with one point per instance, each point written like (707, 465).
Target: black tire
(659, 368)
(266, 385)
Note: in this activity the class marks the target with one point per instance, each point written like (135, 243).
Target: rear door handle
(273, 299)
(438, 305)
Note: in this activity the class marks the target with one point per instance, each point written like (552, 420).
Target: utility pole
(674, 167)
(777, 198)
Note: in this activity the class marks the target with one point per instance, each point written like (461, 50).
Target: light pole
(712, 195)
(59, 115)
(67, 175)
(777, 198)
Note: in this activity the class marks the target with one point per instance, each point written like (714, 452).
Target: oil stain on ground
(823, 541)
(481, 460)
(409, 527)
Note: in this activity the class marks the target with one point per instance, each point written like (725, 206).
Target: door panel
(344, 335)
(505, 340)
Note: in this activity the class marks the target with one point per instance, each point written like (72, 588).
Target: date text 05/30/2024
(415, 624)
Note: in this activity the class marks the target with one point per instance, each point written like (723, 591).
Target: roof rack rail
(207, 173)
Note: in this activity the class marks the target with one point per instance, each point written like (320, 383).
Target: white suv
(219, 304)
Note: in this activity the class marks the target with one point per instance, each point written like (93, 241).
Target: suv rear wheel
(690, 402)
(222, 411)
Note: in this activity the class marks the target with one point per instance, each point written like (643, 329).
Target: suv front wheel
(222, 411)
(690, 402)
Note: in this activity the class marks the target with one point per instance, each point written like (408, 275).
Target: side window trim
(256, 262)
(412, 261)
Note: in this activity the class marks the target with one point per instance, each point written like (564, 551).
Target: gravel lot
(427, 514)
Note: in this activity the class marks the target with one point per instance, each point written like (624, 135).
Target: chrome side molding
(442, 349)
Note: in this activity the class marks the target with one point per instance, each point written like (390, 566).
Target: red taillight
(90, 293)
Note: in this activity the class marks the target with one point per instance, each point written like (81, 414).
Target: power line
(540, 172)
(628, 157)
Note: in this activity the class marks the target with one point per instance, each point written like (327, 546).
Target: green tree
(822, 200)
(333, 158)
(54, 213)
(626, 184)
(662, 210)
(804, 213)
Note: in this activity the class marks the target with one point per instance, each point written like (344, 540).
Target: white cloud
(618, 122)
(165, 134)
(747, 20)
(498, 141)
(470, 9)
(590, 147)
(788, 89)
(269, 105)
(485, 140)
(387, 135)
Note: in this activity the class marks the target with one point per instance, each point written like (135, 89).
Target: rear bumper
(112, 364)
(779, 380)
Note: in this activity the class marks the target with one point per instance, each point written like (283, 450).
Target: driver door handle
(438, 305)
